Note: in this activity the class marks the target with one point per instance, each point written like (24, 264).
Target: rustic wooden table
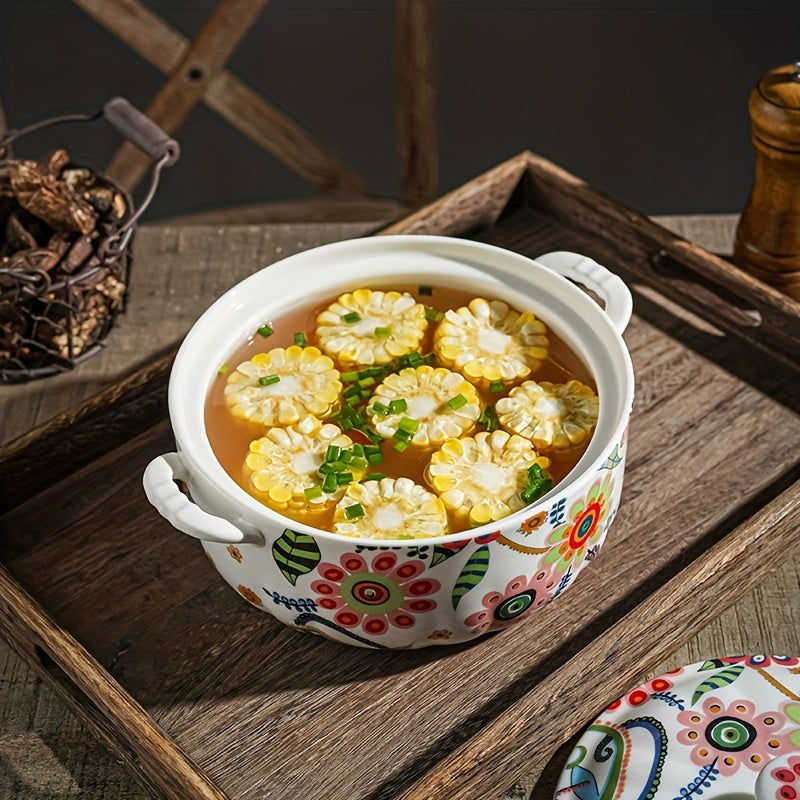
(45, 752)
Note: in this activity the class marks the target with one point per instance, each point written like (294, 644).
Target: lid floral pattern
(703, 731)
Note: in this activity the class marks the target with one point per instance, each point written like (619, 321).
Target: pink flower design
(372, 597)
(733, 735)
(521, 596)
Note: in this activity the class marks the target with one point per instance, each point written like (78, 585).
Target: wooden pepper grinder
(768, 235)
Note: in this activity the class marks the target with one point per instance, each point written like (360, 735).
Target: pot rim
(199, 459)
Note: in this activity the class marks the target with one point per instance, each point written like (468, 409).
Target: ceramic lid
(701, 732)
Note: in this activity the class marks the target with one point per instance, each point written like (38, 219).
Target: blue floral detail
(563, 583)
(671, 699)
(558, 512)
(291, 603)
(708, 774)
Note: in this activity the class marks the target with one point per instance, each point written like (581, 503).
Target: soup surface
(231, 437)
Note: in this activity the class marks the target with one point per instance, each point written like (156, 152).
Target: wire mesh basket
(65, 247)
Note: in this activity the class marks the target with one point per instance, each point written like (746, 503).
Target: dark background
(646, 101)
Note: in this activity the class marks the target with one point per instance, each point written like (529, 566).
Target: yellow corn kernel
(554, 416)
(393, 508)
(428, 392)
(307, 384)
(285, 462)
(480, 478)
(488, 341)
(382, 327)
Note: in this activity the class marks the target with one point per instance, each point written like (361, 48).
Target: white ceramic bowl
(399, 594)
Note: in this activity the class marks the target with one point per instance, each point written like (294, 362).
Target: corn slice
(307, 383)
(481, 479)
(430, 395)
(285, 462)
(367, 327)
(554, 416)
(489, 342)
(392, 509)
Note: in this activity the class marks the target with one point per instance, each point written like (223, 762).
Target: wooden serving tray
(204, 696)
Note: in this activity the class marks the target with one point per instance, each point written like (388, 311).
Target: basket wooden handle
(141, 130)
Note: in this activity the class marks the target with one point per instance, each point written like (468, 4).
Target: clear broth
(230, 437)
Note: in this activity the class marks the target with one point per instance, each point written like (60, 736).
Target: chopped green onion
(352, 391)
(365, 382)
(325, 468)
(265, 330)
(346, 456)
(398, 406)
(382, 332)
(408, 424)
(268, 380)
(489, 419)
(535, 472)
(425, 290)
(433, 315)
(457, 402)
(354, 511)
(403, 436)
(375, 458)
(496, 386)
(404, 536)
(380, 408)
(413, 358)
(358, 449)
(333, 452)
(373, 476)
(400, 445)
(343, 478)
(222, 370)
(536, 490)
(300, 339)
(330, 483)
(313, 492)
(359, 463)
(351, 317)
(349, 377)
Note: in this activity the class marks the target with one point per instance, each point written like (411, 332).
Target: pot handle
(162, 491)
(610, 287)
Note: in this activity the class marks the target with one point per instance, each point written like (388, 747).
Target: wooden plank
(474, 205)
(159, 44)
(416, 99)
(188, 81)
(113, 715)
(714, 580)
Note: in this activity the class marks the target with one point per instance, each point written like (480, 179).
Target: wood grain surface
(154, 582)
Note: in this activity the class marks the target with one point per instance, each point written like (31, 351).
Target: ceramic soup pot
(404, 593)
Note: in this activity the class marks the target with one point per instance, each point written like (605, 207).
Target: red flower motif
(372, 597)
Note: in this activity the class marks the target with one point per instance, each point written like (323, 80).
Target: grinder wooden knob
(768, 235)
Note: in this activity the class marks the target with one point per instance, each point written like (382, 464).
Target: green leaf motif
(724, 677)
(793, 712)
(295, 554)
(713, 663)
(472, 574)
(442, 553)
